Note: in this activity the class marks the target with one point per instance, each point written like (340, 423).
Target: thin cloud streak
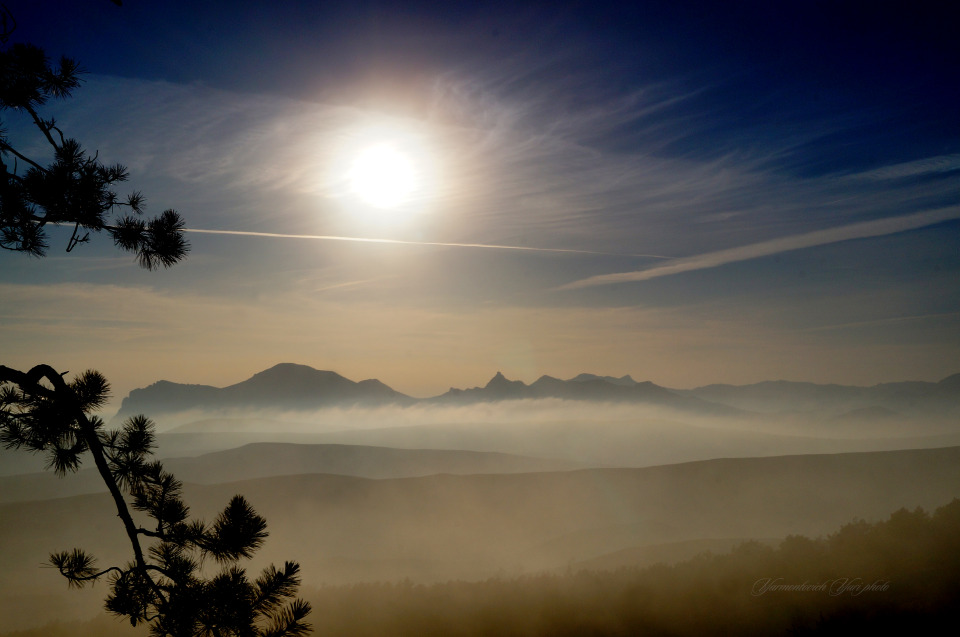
(875, 228)
(919, 168)
(884, 321)
(515, 165)
(323, 237)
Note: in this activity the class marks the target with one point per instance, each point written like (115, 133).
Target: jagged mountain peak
(296, 386)
(499, 380)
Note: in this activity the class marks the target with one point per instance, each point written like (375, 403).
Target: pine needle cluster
(166, 584)
(74, 188)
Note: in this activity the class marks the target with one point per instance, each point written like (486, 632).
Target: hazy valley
(498, 481)
(415, 319)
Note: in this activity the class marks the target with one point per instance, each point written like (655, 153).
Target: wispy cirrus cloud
(919, 168)
(529, 167)
(875, 228)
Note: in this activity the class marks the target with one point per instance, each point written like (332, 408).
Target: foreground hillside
(899, 576)
(427, 529)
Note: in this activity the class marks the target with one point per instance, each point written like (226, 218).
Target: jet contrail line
(325, 237)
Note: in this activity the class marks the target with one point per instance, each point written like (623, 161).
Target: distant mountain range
(299, 387)
(286, 386)
(582, 387)
(844, 401)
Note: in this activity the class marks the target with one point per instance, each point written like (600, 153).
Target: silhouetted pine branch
(75, 189)
(163, 586)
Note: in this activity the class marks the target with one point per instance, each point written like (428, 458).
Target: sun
(385, 173)
(383, 176)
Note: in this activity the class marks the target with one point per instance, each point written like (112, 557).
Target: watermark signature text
(852, 586)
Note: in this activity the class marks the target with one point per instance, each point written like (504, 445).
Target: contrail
(862, 230)
(884, 321)
(325, 237)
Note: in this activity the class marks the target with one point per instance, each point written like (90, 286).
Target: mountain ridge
(285, 385)
(904, 397)
(301, 387)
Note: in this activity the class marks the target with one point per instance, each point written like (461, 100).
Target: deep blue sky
(899, 61)
(797, 162)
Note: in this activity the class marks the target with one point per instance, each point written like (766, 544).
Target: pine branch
(43, 411)
(42, 126)
(236, 533)
(78, 567)
(5, 147)
(289, 621)
(29, 383)
(274, 586)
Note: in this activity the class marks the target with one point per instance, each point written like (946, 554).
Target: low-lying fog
(433, 493)
(590, 433)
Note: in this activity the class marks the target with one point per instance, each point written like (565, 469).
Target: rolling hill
(445, 526)
(265, 459)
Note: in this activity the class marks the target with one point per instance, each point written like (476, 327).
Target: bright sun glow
(383, 177)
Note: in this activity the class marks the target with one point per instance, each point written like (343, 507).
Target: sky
(687, 192)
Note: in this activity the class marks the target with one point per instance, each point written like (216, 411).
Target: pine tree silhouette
(75, 188)
(165, 584)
